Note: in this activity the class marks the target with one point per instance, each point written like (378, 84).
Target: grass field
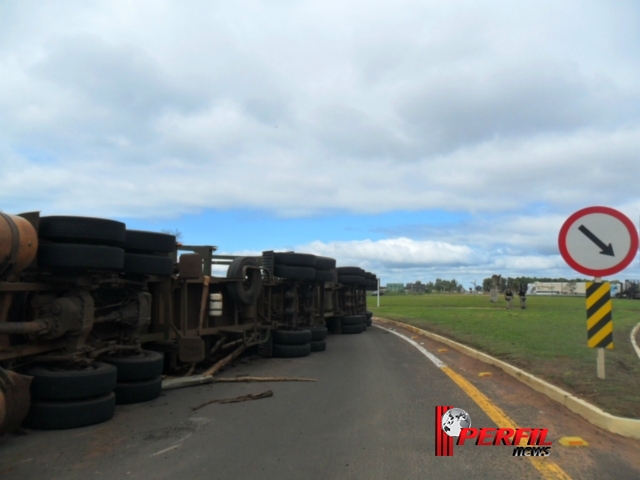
(548, 339)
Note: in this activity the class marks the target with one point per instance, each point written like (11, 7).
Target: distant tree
(175, 232)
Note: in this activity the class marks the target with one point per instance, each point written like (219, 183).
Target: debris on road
(244, 398)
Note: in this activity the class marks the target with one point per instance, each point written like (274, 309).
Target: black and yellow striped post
(599, 321)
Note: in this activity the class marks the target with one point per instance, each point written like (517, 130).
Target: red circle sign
(598, 241)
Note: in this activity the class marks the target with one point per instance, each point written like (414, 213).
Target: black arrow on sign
(605, 249)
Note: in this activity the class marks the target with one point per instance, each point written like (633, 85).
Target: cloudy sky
(417, 139)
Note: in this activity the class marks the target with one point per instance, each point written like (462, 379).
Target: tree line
(453, 286)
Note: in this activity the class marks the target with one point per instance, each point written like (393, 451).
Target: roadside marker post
(598, 241)
(378, 293)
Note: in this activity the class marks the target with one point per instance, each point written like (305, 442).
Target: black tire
(50, 415)
(291, 337)
(350, 329)
(302, 273)
(291, 351)
(139, 264)
(352, 320)
(368, 314)
(364, 326)
(333, 324)
(295, 259)
(245, 291)
(369, 322)
(350, 271)
(83, 257)
(53, 383)
(325, 263)
(325, 276)
(141, 366)
(351, 279)
(137, 392)
(318, 345)
(318, 333)
(99, 231)
(141, 241)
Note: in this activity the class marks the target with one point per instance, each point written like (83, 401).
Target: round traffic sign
(598, 241)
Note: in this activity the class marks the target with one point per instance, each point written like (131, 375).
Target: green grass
(548, 339)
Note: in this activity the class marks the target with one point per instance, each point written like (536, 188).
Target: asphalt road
(370, 415)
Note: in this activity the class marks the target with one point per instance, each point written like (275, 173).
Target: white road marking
(437, 362)
(633, 340)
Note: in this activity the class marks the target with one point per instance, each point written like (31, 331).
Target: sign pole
(600, 359)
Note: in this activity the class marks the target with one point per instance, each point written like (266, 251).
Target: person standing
(508, 296)
(522, 293)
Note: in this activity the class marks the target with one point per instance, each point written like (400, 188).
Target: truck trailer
(92, 314)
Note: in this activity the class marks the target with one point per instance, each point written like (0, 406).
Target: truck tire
(318, 333)
(51, 415)
(54, 383)
(147, 242)
(301, 273)
(351, 320)
(333, 324)
(138, 392)
(325, 276)
(141, 366)
(318, 345)
(325, 263)
(82, 257)
(291, 351)
(351, 279)
(246, 291)
(368, 314)
(139, 264)
(295, 259)
(291, 337)
(369, 322)
(349, 329)
(99, 231)
(350, 271)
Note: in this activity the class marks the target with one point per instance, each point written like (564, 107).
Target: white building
(564, 288)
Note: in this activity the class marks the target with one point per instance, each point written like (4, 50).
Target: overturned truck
(93, 314)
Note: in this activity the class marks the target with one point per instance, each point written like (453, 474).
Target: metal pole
(378, 293)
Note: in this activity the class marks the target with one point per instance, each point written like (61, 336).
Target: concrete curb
(627, 427)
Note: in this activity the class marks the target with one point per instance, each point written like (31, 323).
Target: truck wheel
(147, 242)
(325, 263)
(140, 366)
(291, 351)
(318, 333)
(137, 392)
(246, 291)
(295, 259)
(351, 279)
(350, 271)
(352, 320)
(54, 383)
(82, 230)
(50, 415)
(76, 256)
(318, 345)
(291, 337)
(352, 329)
(369, 322)
(368, 314)
(325, 276)
(136, 263)
(302, 273)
